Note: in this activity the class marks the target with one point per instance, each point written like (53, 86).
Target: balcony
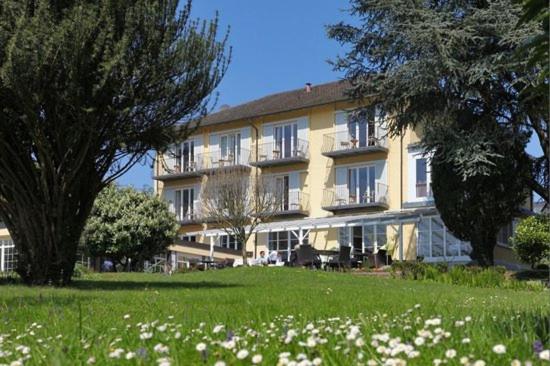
(275, 154)
(200, 164)
(340, 144)
(342, 198)
(293, 204)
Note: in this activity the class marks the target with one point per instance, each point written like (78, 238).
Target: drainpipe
(256, 178)
(401, 241)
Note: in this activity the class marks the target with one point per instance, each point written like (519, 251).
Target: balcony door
(230, 147)
(282, 186)
(361, 129)
(188, 156)
(361, 184)
(286, 140)
(184, 204)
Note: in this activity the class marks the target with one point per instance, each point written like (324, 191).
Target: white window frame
(6, 244)
(238, 139)
(368, 167)
(414, 155)
(444, 257)
(191, 209)
(291, 236)
(231, 244)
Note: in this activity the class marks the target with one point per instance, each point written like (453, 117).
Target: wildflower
(146, 335)
(464, 360)
(164, 361)
(469, 319)
(256, 359)
(538, 346)
(317, 361)
(200, 347)
(126, 316)
(515, 363)
(545, 355)
(218, 328)
(499, 349)
(459, 323)
(434, 321)
(161, 348)
(419, 341)
(242, 354)
(359, 342)
(91, 361)
(219, 363)
(450, 353)
(479, 363)
(16, 363)
(130, 355)
(161, 328)
(116, 353)
(465, 340)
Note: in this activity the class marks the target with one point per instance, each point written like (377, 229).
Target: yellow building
(7, 250)
(345, 181)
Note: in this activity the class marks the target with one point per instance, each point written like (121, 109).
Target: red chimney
(308, 87)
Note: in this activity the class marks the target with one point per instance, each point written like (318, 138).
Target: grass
(86, 322)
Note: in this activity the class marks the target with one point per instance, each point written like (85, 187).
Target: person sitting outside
(262, 259)
(273, 257)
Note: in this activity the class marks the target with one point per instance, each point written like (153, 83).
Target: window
(505, 233)
(184, 204)
(434, 241)
(282, 191)
(364, 239)
(230, 147)
(361, 128)
(230, 242)
(284, 242)
(8, 256)
(420, 186)
(286, 140)
(361, 185)
(192, 238)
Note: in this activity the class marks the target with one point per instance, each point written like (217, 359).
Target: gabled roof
(282, 102)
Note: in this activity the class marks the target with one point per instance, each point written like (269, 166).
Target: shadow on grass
(147, 285)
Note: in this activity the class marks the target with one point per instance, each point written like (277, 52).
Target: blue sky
(277, 46)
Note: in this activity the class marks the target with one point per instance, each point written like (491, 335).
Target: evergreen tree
(87, 89)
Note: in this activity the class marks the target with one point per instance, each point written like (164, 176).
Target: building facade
(345, 182)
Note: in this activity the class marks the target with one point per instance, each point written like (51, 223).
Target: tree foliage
(427, 62)
(128, 224)
(531, 240)
(87, 89)
(477, 194)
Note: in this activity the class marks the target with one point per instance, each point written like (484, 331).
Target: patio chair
(342, 260)
(306, 256)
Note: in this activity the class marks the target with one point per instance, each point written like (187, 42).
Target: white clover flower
(219, 363)
(359, 342)
(116, 353)
(464, 360)
(419, 341)
(177, 335)
(16, 363)
(130, 355)
(161, 328)
(437, 362)
(450, 353)
(200, 347)
(317, 361)
(218, 328)
(284, 355)
(434, 321)
(164, 361)
(229, 344)
(499, 349)
(126, 316)
(459, 323)
(161, 348)
(545, 355)
(479, 363)
(469, 319)
(146, 335)
(242, 354)
(465, 340)
(311, 342)
(91, 361)
(256, 359)
(372, 363)
(515, 363)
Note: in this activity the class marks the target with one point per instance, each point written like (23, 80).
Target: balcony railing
(343, 143)
(292, 203)
(202, 163)
(341, 198)
(276, 153)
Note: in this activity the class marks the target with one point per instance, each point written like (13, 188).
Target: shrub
(531, 241)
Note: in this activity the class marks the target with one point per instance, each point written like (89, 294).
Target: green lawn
(335, 318)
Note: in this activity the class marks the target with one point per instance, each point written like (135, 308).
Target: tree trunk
(483, 246)
(46, 230)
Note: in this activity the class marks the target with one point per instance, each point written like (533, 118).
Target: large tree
(427, 61)
(128, 226)
(87, 89)
(476, 196)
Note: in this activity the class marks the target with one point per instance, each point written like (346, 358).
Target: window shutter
(302, 128)
(245, 144)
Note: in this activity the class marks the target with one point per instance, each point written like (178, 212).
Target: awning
(387, 217)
